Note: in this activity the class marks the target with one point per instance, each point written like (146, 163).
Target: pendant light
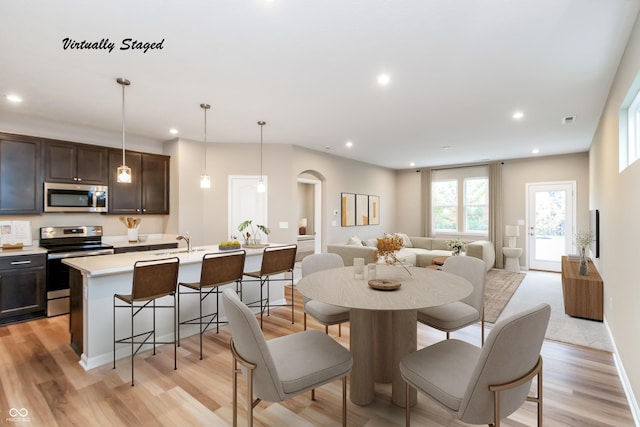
(124, 172)
(205, 180)
(261, 187)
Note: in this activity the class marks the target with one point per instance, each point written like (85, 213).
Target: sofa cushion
(440, 244)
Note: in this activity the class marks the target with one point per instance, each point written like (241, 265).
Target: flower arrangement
(252, 237)
(388, 246)
(456, 246)
(583, 240)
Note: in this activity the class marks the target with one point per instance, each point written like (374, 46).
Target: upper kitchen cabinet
(75, 163)
(148, 191)
(20, 176)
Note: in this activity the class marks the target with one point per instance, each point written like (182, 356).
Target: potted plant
(251, 236)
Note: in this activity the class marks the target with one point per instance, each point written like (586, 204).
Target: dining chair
(325, 314)
(152, 279)
(482, 385)
(276, 260)
(217, 269)
(459, 314)
(283, 367)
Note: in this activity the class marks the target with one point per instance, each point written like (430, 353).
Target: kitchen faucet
(187, 239)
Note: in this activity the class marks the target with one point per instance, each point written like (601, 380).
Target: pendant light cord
(261, 123)
(123, 85)
(204, 145)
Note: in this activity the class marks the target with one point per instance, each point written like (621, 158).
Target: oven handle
(80, 254)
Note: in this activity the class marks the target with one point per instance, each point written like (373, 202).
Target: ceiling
(459, 70)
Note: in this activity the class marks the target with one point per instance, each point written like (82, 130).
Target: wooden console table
(582, 295)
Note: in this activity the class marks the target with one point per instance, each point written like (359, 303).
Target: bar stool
(217, 270)
(152, 279)
(275, 260)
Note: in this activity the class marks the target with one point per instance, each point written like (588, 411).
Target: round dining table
(383, 323)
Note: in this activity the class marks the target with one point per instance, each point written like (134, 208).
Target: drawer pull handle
(20, 262)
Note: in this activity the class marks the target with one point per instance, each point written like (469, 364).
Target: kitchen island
(94, 280)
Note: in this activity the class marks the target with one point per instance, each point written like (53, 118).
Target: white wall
(617, 196)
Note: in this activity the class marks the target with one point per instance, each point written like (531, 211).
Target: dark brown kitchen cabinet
(20, 175)
(148, 191)
(72, 163)
(22, 287)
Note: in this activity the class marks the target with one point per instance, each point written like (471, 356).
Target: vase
(583, 269)
(455, 251)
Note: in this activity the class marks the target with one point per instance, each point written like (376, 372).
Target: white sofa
(420, 252)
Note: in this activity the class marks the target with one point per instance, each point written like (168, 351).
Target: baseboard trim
(626, 384)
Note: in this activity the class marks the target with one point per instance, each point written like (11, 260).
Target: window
(445, 206)
(476, 205)
(629, 129)
(460, 201)
(633, 128)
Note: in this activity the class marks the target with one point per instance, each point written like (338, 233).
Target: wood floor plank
(41, 373)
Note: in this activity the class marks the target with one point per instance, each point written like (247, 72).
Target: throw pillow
(354, 241)
(406, 241)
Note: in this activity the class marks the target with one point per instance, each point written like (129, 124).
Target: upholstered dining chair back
(278, 259)
(511, 350)
(154, 278)
(472, 269)
(220, 269)
(318, 262)
(250, 343)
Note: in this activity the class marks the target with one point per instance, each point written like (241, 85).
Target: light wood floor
(40, 372)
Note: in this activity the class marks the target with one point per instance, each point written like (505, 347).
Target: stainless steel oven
(67, 242)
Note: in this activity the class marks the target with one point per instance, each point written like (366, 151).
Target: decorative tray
(384, 284)
(252, 246)
(229, 247)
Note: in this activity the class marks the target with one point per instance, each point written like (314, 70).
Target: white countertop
(26, 250)
(104, 265)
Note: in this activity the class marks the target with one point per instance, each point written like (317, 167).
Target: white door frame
(531, 189)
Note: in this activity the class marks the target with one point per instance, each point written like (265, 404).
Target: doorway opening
(309, 213)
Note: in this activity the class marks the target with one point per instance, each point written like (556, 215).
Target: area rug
(499, 288)
(543, 287)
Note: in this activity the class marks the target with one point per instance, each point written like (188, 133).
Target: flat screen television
(594, 229)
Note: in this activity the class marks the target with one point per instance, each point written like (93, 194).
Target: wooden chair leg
(339, 329)
(305, 321)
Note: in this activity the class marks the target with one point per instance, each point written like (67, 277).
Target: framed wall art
(348, 204)
(374, 210)
(362, 209)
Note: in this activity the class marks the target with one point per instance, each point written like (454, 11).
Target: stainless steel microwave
(75, 197)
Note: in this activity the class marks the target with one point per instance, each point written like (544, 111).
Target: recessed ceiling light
(384, 79)
(327, 147)
(412, 164)
(14, 98)
(349, 144)
(535, 151)
(173, 131)
(518, 115)
(446, 147)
